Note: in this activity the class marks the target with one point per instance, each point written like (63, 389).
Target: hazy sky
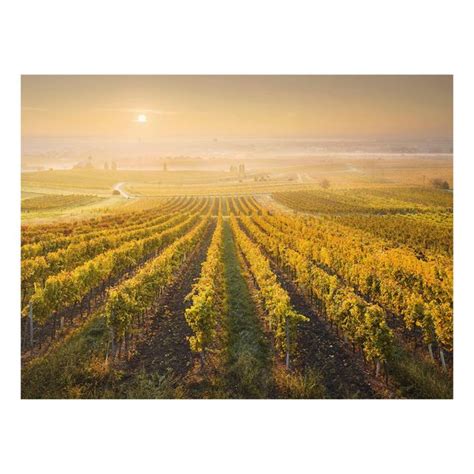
(238, 106)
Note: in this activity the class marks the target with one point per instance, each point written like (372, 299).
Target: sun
(142, 118)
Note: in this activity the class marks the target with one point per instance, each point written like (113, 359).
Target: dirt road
(119, 187)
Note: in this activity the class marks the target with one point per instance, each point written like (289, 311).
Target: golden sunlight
(141, 118)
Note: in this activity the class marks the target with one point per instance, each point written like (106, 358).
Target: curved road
(119, 187)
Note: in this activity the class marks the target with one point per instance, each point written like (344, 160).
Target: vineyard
(56, 201)
(344, 293)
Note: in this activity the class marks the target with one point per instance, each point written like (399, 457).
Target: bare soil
(164, 348)
(345, 375)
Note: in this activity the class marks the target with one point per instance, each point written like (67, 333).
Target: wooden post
(287, 345)
(430, 348)
(30, 318)
(377, 368)
(441, 354)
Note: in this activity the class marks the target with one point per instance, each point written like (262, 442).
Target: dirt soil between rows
(343, 371)
(165, 348)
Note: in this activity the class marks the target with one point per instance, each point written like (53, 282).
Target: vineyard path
(119, 187)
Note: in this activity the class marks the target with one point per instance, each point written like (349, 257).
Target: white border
(236, 37)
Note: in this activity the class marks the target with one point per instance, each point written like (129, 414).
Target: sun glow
(142, 118)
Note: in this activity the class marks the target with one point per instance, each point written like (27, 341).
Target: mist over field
(62, 153)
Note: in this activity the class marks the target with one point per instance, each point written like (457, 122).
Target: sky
(320, 107)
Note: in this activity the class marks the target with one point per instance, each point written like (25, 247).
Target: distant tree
(106, 165)
(89, 163)
(439, 183)
(165, 167)
(324, 184)
(114, 165)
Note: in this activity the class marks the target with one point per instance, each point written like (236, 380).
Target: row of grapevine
(35, 271)
(128, 302)
(119, 219)
(252, 204)
(365, 200)
(62, 243)
(231, 205)
(419, 195)
(320, 202)
(65, 290)
(240, 205)
(208, 297)
(419, 292)
(43, 238)
(362, 323)
(281, 317)
(41, 233)
(422, 235)
(73, 236)
(215, 206)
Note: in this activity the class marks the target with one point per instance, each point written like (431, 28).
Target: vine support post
(430, 348)
(287, 344)
(377, 367)
(441, 355)
(30, 319)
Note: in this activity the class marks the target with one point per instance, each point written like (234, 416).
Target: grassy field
(86, 206)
